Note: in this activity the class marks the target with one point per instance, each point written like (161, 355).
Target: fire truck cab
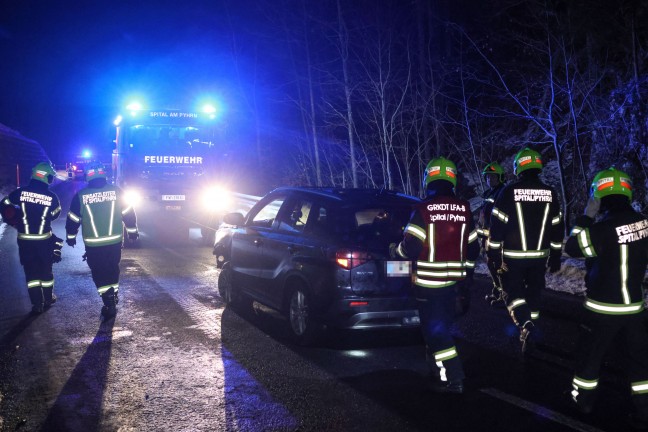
(167, 162)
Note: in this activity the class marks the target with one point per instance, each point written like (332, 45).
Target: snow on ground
(569, 279)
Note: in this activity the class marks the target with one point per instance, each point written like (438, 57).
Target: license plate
(173, 197)
(399, 268)
(173, 208)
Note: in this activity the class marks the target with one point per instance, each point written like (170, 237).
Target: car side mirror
(234, 219)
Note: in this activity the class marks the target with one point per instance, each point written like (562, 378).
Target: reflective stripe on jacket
(441, 235)
(100, 211)
(616, 253)
(526, 221)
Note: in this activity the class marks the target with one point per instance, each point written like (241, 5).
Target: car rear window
(374, 226)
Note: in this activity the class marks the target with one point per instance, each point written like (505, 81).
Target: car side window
(294, 220)
(267, 215)
(318, 222)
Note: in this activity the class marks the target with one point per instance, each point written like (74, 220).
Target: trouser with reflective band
(437, 311)
(36, 259)
(523, 283)
(104, 266)
(598, 333)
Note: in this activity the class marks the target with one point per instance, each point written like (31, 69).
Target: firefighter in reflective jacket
(31, 210)
(442, 239)
(100, 210)
(616, 253)
(525, 237)
(493, 174)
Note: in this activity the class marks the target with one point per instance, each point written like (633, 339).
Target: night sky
(68, 67)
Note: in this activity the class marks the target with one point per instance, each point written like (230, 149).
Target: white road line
(540, 410)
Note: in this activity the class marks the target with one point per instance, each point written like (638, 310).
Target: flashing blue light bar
(86, 153)
(118, 120)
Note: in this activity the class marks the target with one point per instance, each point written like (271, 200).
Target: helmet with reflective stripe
(44, 171)
(494, 168)
(525, 160)
(611, 182)
(440, 169)
(95, 170)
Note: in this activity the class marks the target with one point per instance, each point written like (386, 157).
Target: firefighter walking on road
(494, 175)
(100, 210)
(525, 238)
(616, 253)
(441, 237)
(31, 210)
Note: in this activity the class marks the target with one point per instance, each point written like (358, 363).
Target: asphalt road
(175, 359)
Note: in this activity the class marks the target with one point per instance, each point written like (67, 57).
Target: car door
(281, 245)
(246, 249)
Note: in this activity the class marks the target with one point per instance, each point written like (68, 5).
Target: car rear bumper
(377, 313)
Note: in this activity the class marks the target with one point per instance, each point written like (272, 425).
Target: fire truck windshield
(166, 152)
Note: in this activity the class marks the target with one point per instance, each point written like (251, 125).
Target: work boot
(36, 298)
(452, 387)
(49, 297)
(581, 407)
(525, 334)
(109, 310)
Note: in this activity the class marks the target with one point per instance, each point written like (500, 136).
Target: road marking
(540, 410)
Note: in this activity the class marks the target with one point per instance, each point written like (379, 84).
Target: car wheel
(229, 293)
(304, 329)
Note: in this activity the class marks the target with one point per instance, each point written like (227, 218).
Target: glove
(71, 242)
(133, 236)
(553, 263)
(592, 207)
(57, 245)
(392, 250)
(462, 298)
(12, 215)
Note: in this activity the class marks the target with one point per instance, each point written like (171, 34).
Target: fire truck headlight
(132, 197)
(216, 199)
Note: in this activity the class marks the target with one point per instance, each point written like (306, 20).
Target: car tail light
(349, 259)
(358, 303)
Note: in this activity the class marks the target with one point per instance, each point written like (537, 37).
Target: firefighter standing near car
(441, 238)
(100, 210)
(31, 210)
(494, 175)
(525, 237)
(616, 256)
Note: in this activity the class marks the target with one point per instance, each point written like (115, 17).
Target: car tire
(304, 328)
(230, 294)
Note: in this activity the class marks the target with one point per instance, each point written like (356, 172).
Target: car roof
(352, 195)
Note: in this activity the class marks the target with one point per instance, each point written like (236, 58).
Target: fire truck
(167, 163)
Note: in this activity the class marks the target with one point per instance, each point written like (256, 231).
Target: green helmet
(94, 170)
(493, 168)
(44, 171)
(611, 182)
(440, 169)
(526, 159)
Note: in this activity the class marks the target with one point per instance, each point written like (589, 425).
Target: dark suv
(321, 257)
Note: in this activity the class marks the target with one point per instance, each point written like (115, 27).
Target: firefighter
(100, 210)
(494, 175)
(525, 237)
(31, 210)
(441, 237)
(616, 256)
